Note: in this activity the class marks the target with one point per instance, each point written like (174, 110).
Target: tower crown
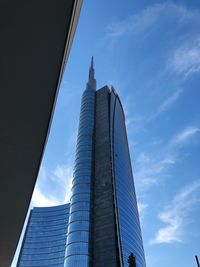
(91, 84)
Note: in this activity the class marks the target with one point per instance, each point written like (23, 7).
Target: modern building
(103, 228)
(45, 237)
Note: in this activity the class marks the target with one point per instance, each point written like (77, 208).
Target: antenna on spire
(91, 81)
(92, 63)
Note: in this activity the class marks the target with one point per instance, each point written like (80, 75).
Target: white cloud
(137, 121)
(149, 17)
(169, 101)
(151, 168)
(186, 58)
(176, 214)
(64, 174)
(135, 23)
(53, 187)
(132, 121)
(141, 209)
(185, 135)
(166, 104)
(40, 199)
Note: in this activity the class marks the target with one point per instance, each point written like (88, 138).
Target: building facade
(45, 237)
(103, 227)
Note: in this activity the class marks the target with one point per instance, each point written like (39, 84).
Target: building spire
(91, 81)
(92, 63)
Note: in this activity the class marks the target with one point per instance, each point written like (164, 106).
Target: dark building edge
(103, 176)
(112, 119)
(9, 242)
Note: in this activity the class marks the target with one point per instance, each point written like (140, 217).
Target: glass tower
(78, 251)
(103, 228)
(45, 237)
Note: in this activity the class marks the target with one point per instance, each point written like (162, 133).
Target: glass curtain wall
(129, 232)
(78, 238)
(45, 237)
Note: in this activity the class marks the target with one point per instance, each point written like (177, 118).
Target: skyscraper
(103, 228)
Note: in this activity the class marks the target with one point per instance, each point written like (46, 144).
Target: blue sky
(150, 52)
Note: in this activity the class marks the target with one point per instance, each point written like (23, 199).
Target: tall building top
(91, 84)
(92, 62)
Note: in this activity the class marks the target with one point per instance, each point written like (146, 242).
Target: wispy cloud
(147, 18)
(133, 121)
(53, 186)
(176, 214)
(166, 104)
(40, 199)
(186, 58)
(63, 175)
(141, 209)
(169, 101)
(151, 168)
(185, 135)
(136, 122)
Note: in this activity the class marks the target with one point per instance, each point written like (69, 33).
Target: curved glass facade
(45, 237)
(79, 231)
(103, 226)
(129, 232)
